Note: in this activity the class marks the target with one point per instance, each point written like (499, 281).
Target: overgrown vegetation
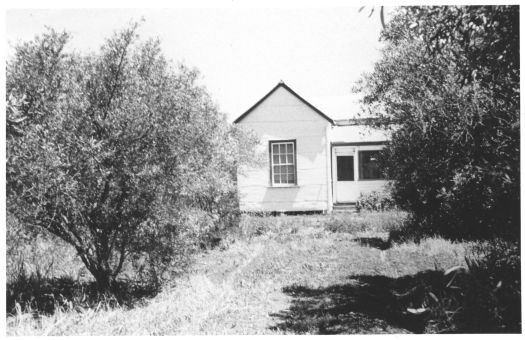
(482, 296)
(375, 201)
(118, 153)
(290, 275)
(130, 166)
(449, 80)
(448, 87)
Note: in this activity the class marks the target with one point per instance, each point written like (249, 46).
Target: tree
(449, 80)
(110, 144)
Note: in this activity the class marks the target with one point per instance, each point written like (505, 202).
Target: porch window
(369, 166)
(283, 169)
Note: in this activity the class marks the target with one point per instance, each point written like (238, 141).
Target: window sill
(282, 186)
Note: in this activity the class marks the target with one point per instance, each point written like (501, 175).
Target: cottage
(314, 163)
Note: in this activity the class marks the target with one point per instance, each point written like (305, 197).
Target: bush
(375, 201)
(118, 153)
(449, 81)
(484, 297)
(45, 273)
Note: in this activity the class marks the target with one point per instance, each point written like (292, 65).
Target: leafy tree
(448, 86)
(109, 149)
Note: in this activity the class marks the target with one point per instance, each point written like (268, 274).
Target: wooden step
(344, 207)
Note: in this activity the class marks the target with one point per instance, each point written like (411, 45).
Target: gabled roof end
(282, 84)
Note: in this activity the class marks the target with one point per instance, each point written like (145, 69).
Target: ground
(281, 275)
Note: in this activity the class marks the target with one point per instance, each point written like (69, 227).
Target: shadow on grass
(45, 295)
(367, 304)
(373, 242)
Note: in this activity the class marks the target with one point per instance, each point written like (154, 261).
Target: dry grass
(47, 255)
(274, 275)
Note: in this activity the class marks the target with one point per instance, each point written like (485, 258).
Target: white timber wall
(282, 116)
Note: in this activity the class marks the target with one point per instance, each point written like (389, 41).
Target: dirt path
(283, 285)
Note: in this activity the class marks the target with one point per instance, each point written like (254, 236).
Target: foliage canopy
(110, 150)
(448, 80)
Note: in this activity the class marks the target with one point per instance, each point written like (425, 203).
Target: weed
(484, 296)
(366, 221)
(290, 274)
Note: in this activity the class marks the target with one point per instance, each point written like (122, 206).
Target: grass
(47, 255)
(315, 274)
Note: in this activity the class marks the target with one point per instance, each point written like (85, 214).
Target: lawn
(314, 274)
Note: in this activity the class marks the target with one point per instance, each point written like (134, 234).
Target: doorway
(344, 174)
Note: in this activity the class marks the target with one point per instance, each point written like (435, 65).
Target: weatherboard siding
(282, 116)
(357, 134)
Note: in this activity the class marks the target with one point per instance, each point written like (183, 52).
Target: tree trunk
(102, 276)
(103, 279)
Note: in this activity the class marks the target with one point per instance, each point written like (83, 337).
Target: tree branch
(128, 40)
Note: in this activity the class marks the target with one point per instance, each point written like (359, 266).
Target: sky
(241, 53)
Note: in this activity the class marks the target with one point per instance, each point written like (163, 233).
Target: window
(282, 157)
(369, 166)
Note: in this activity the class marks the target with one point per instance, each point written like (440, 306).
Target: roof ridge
(283, 84)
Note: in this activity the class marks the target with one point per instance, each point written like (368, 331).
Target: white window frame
(291, 142)
(377, 147)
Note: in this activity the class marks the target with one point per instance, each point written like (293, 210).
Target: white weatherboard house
(314, 163)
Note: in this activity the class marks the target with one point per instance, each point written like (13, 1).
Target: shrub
(483, 297)
(449, 80)
(375, 201)
(109, 148)
(492, 290)
(44, 272)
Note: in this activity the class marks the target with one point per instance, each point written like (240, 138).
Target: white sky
(241, 52)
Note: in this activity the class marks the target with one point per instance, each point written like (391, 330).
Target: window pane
(368, 165)
(283, 162)
(345, 168)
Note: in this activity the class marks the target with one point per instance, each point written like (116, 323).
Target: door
(344, 174)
